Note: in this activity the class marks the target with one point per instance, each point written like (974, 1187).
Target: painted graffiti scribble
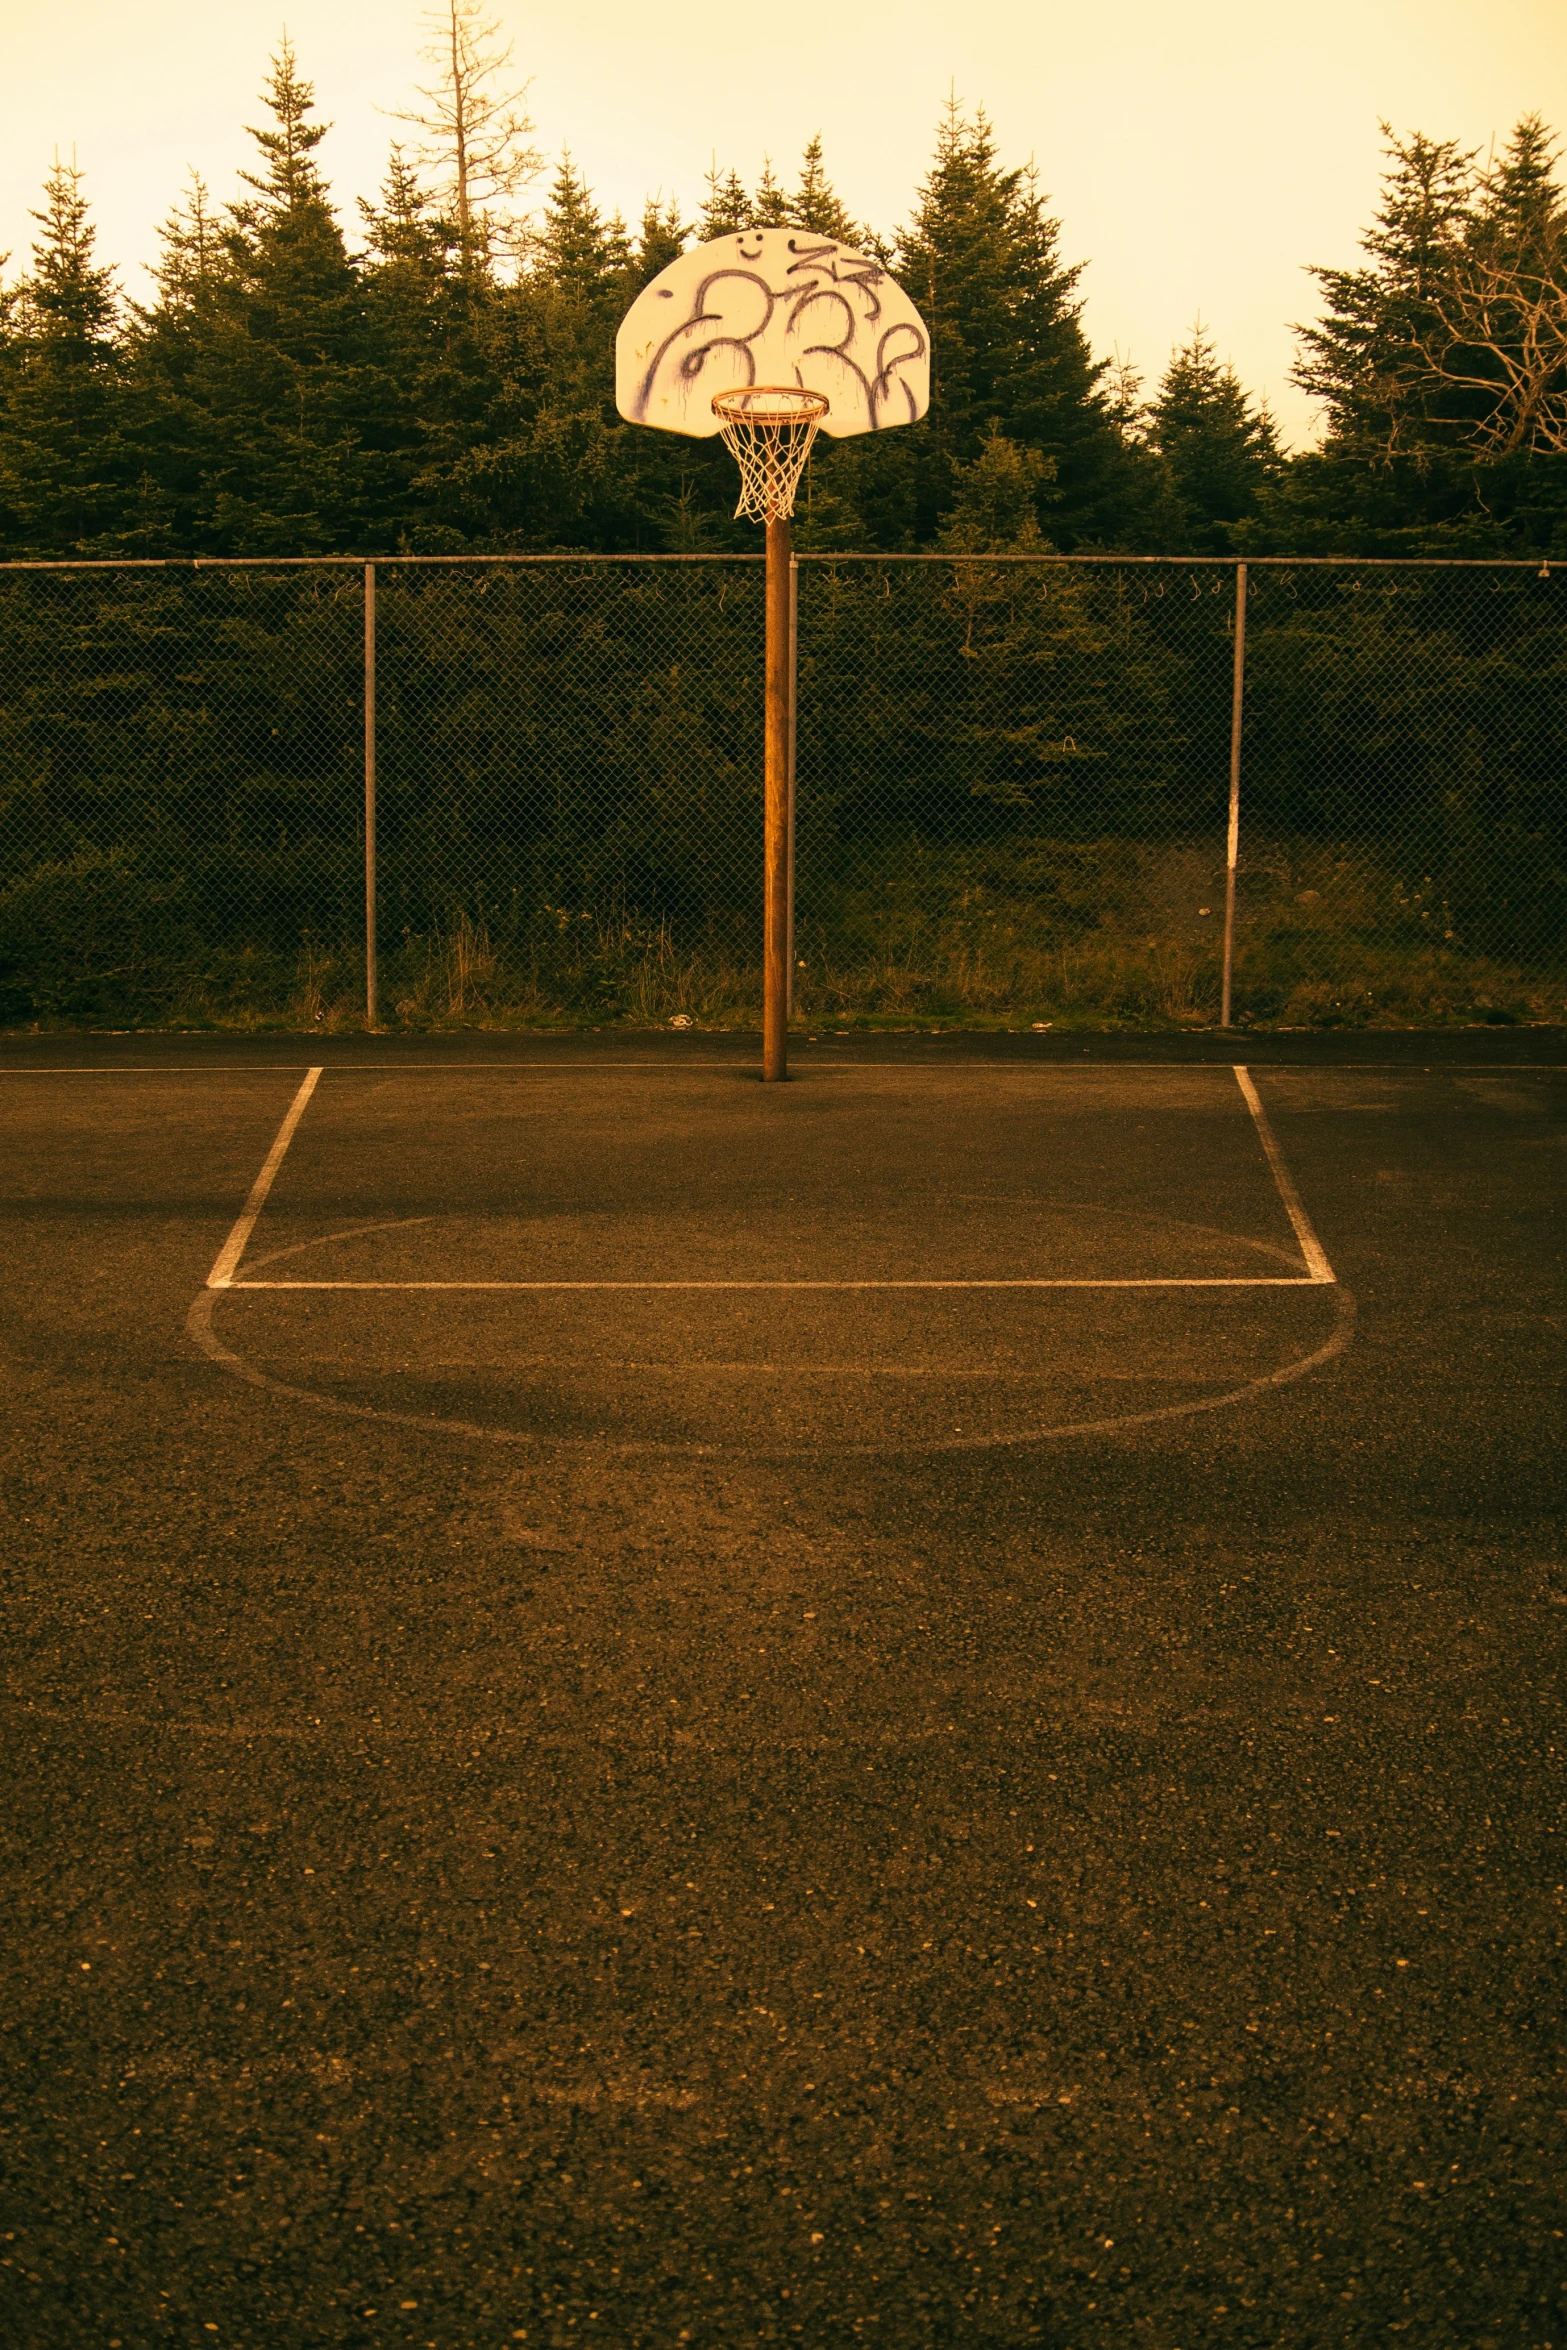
(773, 306)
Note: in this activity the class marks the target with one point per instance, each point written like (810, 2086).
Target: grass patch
(1108, 934)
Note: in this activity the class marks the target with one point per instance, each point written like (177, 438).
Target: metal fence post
(1233, 843)
(372, 989)
(775, 928)
(794, 736)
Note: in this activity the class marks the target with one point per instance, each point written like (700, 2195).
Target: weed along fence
(1027, 789)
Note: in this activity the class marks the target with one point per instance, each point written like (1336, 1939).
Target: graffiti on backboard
(773, 306)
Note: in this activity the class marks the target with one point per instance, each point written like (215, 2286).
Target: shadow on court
(924, 1706)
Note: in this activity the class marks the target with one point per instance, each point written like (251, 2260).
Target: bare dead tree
(1497, 327)
(475, 129)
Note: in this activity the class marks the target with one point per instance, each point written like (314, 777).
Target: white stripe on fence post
(372, 989)
(1233, 843)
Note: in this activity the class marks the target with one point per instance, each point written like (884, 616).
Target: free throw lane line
(222, 1274)
(1318, 1270)
(1311, 1247)
(1318, 1274)
(1152, 1281)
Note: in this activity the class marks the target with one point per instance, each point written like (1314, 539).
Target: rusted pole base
(775, 923)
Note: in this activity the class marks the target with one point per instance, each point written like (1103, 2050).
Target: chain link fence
(1013, 792)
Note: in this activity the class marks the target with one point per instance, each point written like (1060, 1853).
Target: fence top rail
(342, 562)
(1540, 565)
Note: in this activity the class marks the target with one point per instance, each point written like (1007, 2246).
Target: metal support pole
(794, 739)
(1233, 844)
(775, 860)
(372, 987)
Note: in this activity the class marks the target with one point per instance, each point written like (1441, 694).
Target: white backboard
(772, 306)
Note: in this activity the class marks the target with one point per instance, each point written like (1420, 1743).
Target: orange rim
(794, 405)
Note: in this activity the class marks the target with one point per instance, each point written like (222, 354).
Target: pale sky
(1198, 153)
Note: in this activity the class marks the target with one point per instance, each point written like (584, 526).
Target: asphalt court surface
(870, 1257)
(712, 1810)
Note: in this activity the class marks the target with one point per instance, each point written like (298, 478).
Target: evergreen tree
(282, 393)
(1218, 451)
(1441, 361)
(769, 205)
(1520, 207)
(273, 426)
(981, 258)
(1133, 505)
(426, 314)
(995, 504)
(581, 255)
(1360, 360)
(412, 247)
(193, 250)
(814, 204)
(725, 208)
(160, 355)
(301, 292)
(66, 473)
(549, 471)
(660, 240)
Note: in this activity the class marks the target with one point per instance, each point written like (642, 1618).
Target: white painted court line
(162, 1069)
(222, 1274)
(1319, 1273)
(1152, 1281)
(1310, 1246)
(407, 1068)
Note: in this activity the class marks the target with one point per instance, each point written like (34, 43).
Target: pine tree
(995, 505)
(285, 241)
(272, 425)
(193, 250)
(1218, 451)
(1520, 208)
(1441, 362)
(161, 354)
(283, 394)
(814, 204)
(549, 471)
(769, 205)
(404, 231)
(981, 259)
(427, 317)
(660, 240)
(726, 206)
(1360, 360)
(578, 252)
(65, 469)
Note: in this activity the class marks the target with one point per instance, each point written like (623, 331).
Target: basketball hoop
(750, 303)
(768, 430)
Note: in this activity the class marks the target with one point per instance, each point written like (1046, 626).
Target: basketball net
(768, 430)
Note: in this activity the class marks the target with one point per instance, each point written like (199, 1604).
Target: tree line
(441, 380)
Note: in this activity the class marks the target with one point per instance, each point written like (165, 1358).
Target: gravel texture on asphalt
(662, 1817)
